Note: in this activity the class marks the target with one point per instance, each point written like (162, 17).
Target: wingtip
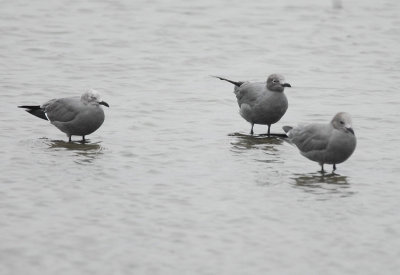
(215, 76)
(29, 106)
(236, 83)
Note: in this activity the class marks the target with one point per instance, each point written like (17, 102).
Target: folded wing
(62, 110)
(313, 137)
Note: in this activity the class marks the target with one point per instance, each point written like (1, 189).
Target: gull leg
(322, 168)
(334, 167)
(269, 127)
(251, 131)
(83, 139)
(69, 139)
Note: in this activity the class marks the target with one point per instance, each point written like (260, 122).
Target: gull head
(92, 96)
(276, 83)
(342, 122)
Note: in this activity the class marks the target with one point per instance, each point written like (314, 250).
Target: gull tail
(35, 110)
(287, 129)
(236, 83)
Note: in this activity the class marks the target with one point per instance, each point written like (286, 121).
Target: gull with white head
(261, 102)
(75, 116)
(331, 143)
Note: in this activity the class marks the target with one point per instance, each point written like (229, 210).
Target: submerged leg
(269, 127)
(251, 131)
(334, 167)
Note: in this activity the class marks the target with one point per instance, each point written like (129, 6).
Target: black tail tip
(287, 128)
(31, 107)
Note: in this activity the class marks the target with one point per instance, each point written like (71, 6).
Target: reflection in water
(87, 152)
(243, 142)
(318, 183)
(269, 145)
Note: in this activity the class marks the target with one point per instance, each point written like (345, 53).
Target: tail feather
(35, 110)
(236, 83)
(287, 129)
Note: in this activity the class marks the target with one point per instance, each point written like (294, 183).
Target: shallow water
(172, 183)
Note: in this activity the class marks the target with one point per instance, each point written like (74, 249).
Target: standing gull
(260, 102)
(331, 143)
(75, 116)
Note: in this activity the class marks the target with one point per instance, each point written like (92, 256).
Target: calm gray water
(172, 183)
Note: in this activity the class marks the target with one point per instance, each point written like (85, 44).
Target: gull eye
(341, 122)
(275, 81)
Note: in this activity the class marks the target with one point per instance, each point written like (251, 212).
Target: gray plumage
(260, 102)
(331, 143)
(75, 116)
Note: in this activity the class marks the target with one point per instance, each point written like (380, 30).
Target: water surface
(172, 183)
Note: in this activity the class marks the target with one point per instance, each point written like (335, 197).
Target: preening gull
(331, 143)
(75, 116)
(260, 102)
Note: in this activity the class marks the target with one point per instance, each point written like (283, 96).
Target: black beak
(286, 85)
(350, 130)
(104, 103)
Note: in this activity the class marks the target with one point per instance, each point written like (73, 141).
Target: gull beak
(349, 129)
(286, 85)
(104, 103)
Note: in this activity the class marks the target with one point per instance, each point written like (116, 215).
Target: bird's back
(311, 137)
(250, 92)
(260, 105)
(62, 109)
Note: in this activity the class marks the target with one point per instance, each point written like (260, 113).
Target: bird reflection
(86, 151)
(243, 142)
(319, 183)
